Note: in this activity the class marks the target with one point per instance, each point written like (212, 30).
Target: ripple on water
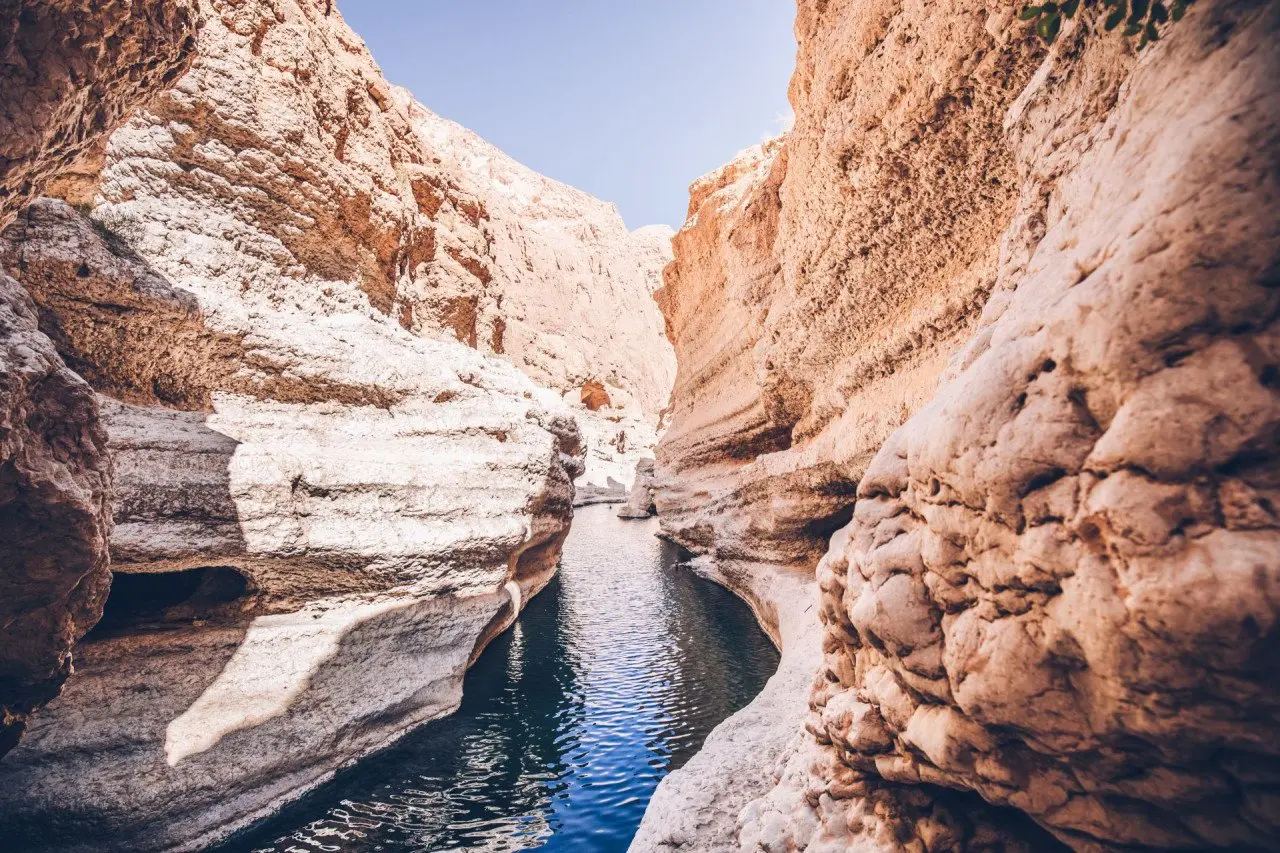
(612, 678)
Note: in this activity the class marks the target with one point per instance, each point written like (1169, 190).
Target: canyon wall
(70, 73)
(309, 382)
(571, 301)
(1001, 318)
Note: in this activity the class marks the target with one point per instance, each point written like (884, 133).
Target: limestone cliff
(319, 352)
(69, 72)
(570, 299)
(1022, 300)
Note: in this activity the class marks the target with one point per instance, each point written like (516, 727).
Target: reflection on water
(613, 676)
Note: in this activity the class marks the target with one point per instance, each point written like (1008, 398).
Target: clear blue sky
(630, 100)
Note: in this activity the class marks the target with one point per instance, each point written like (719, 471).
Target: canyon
(967, 385)
(992, 345)
(287, 356)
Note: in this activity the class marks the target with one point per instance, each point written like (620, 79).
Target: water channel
(612, 678)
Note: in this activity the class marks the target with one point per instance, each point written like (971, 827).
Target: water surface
(612, 677)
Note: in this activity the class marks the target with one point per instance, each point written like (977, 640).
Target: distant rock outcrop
(567, 295)
(640, 502)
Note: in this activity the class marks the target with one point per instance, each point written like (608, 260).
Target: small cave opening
(824, 527)
(142, 599)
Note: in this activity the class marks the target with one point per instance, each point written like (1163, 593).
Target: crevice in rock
(157, 598)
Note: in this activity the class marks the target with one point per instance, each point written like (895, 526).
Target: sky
(630, 100)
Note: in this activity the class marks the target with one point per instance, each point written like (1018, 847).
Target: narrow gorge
(965, 388)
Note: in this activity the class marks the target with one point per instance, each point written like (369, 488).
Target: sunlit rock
(1022, 300)
(70, 71)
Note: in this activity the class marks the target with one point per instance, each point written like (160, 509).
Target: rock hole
(138, 600)
(83, 271)
(1044, 478)
(821, 528)
(1243, 462)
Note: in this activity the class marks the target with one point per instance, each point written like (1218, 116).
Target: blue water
(612, 677)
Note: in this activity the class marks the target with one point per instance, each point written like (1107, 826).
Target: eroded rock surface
(640, 501)
(325, 477)
(1023, 299)
(569, 296)
(54, 518)
(274, 554)
(70, 72)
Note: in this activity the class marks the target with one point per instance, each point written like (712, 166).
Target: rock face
(318, 343)
(568, 295)
(282, 474)
(54, 474)
(1023, 300)
(640, 503)
(71, 70)
(275, 555)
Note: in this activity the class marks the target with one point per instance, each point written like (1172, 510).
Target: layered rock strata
(329, 471)
(570, 301)
(275, 555)
(69, 72)
(1022, 300)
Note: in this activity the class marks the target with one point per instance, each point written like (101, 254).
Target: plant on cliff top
(1139, 16)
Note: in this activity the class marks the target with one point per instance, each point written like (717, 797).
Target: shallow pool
(612, 677)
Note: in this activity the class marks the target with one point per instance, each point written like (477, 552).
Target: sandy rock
(570, 299)
(1021, 299)
(378, 512)
(640, 502)
(70, 72)
(54, 518)
(729, 482)
(230, 719)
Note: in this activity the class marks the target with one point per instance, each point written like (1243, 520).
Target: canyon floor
(363, 488)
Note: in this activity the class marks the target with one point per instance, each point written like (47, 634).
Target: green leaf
(1050, 8)
(1139, 11)
(1151, 33)
(1132, 28)
(1070, 8)
(1048, 27)
(1159, 13)
(1029, 13)
(1142, 42)
(1114, 19)
(1179, 9)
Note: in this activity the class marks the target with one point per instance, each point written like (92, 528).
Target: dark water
(613, 677)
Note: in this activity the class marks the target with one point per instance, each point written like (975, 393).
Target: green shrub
(1140, 17)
